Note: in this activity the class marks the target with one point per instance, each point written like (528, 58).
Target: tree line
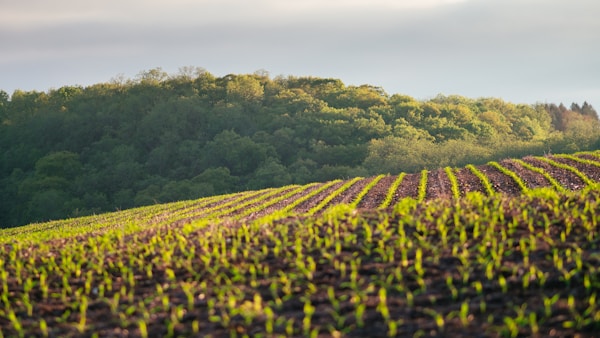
(76, 150)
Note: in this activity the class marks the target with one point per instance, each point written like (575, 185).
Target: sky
(523, 51)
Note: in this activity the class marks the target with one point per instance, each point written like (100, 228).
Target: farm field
(507, 249)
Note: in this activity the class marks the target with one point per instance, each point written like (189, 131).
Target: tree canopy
(78, 150)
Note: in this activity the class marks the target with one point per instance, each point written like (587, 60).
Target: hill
(76, 151)
(509, 248)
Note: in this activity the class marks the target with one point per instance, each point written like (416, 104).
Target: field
(507, 249)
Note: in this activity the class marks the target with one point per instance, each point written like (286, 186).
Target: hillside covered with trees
(76, 151)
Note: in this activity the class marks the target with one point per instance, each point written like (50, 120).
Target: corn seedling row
(453, 182)
(365, 191)
(446, 266)
(489, 190)
(392, 191)
(581, 175)
(510, 174)
(555, 184)
(480, 265)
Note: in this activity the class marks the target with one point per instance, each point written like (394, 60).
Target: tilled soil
(418, 317)
(531, 178)
(566, 178)
(468, 182)
(591, 171)
(501, 182)
(315, 200)
(408, 188)
(348, 195)
(438, 185)
(377, 194)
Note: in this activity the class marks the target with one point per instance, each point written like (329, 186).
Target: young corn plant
(487, 186)
(453, 182)
(542, 172)
(510, 174)
(333, 195)
(392, 191)
(365, 191)
(574, 170)
(422, 190)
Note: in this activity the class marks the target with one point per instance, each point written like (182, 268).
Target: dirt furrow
(438, 185)
(315, 200)
(531, 178)
(467, 181)
(377, 194)
(566, 178)
(409, 187)
(283, 203)
(350, 193)
(589, 157)
(502, 183)
(591, 171)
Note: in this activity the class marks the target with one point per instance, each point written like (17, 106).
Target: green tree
(3, 107)
(270, 174)
(245, 89)
(62, 164)
(152, 76)
(394, 155)
(216, 181)
(240, 155)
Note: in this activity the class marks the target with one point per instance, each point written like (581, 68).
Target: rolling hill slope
(477, 251)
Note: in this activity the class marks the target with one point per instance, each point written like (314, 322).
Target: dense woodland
(76, 150)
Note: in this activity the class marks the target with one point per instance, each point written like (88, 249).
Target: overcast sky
(523, 51)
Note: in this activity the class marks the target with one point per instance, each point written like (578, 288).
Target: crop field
(506, 249)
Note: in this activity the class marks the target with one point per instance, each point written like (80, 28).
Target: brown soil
(281, 204)
(347, 196)
(501, 182)
(591, 171)
(438, 185)
(468, 182)
(531, 178)
(566, 178)
(416, 318)
(409, 187)
(315, 200)
(590, 157)
(377, 194)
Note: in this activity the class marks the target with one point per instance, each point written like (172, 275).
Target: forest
(76, 151)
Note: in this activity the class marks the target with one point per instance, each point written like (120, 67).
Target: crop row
(492, 265)
(208, 278)
(288, 199)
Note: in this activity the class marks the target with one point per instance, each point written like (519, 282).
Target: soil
(409, 187)
(348, 196)
(377, 194)
(531, 178)
(591, 171)
(468, 182)
(438, 185)
(565, 177)
(315, 200)
(417, 319)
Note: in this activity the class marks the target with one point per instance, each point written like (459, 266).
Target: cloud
(26, 14)
(505, 48)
